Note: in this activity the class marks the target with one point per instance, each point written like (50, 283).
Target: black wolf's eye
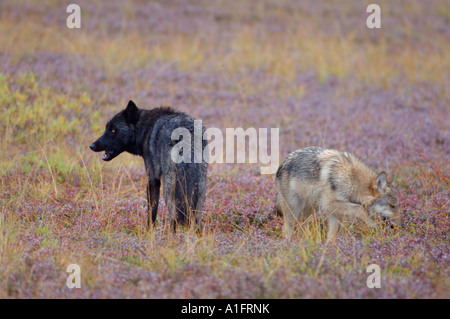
(113, 130)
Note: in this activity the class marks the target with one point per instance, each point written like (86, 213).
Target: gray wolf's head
(385, 204)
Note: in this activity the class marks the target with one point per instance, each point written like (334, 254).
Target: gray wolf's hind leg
(292, 207)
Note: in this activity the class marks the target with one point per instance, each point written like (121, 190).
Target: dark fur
(147, 133)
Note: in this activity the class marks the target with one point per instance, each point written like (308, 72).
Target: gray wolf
(336, 183)
(148, 133)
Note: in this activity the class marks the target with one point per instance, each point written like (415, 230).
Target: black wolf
(148, 133)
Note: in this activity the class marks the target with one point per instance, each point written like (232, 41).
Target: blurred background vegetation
(311, 68)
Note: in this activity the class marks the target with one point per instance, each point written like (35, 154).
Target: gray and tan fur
(336, 183)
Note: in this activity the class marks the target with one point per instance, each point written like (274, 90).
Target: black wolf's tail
(186, 197)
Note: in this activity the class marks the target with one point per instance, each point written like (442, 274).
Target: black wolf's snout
(94, 147)
(97, 146)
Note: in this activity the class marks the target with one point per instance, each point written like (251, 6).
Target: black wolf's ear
(131, 113)
(381, 182)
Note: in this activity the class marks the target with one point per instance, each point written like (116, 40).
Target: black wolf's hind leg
(171, 206)
(153, 200)
(199, 209)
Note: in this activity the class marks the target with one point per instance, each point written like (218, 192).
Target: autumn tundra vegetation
(310, 68)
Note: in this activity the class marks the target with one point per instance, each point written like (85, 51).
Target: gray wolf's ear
(381, 182)
(131, 113)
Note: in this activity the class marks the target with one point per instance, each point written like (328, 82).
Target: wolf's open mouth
(108, 155)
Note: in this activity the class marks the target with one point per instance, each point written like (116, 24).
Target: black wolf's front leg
(153, 188)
